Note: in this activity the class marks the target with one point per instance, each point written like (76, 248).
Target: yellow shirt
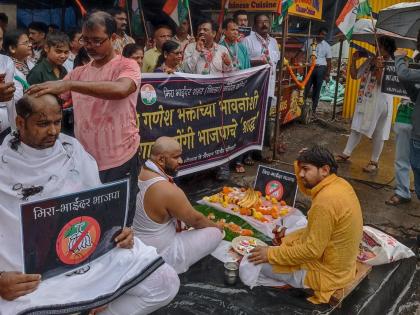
(150, 59)
(327, 248)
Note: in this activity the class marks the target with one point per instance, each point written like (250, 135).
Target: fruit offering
(249, 202)
(230, 226)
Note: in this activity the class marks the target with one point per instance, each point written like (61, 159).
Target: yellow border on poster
(310, 9)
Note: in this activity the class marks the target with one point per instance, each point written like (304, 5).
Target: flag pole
(189, 17)
(128, 17)
(144, 21)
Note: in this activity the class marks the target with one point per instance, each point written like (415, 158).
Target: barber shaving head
(166, 153)
(38, 120)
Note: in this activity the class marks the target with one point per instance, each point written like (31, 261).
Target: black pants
(316, 80)
(130, 170)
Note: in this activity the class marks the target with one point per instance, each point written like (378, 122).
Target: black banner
(276, 183)
(214, 118)
(390, 82)
(63, 233)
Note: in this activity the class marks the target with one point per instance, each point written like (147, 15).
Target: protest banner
(276, 183)
(244, 31)
(215, 118)
(390, 82)
(63, 233)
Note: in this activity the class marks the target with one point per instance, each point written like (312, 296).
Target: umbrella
(363, 31)
(402, 19)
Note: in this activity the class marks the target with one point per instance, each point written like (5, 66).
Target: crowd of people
(96, 70)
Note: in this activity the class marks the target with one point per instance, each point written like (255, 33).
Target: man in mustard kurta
(321, 256)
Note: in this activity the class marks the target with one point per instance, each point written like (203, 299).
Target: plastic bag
(378, 248)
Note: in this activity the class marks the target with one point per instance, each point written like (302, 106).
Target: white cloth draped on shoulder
(27, 174)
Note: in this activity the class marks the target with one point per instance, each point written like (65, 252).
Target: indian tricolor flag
(177, 10)
(351, 11)
(282, 7)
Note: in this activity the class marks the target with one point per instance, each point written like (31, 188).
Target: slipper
(267, 159)
(371, 167)
(341, 158)
(239, 168)
(396, 200)
(249, 161)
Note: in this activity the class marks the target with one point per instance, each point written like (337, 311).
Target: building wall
(10, 10)
(352, 86)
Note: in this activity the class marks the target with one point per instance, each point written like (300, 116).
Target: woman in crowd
(134, 51)
(373, 114)
(82, 58)
(170, 59)
(16, 44)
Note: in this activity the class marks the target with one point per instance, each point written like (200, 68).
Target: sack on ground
(378, 248)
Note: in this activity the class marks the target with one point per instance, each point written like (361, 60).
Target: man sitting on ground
(321, 256)
(160, 204)
(38, 162)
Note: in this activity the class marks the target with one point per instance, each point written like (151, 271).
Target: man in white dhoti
(38, 162)
(160, 204)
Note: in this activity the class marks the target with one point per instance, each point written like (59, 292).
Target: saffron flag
(177, 10)
(348, 16)
(282, 7)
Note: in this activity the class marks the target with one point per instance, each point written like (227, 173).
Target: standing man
(205, 56)
(411, 78)
(162, 34)
(241, 18)
(74, 36)
(182, 37)
(37, 34)
(122, 39)
(104, 94)
(323, 66)
(263, 49)
(237, 51)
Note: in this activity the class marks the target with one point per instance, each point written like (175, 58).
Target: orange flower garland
(302, 84)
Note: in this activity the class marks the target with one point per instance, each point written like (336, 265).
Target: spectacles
(95, 42)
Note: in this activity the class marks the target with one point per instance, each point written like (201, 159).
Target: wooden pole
(128, 18)
(279, 94)
(144, 22)
(337, 78)
(189, 17)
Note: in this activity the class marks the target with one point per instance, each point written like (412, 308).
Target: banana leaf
(206, 210)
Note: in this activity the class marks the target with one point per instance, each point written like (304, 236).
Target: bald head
(166, 152)
(164, 146)
(38, 120)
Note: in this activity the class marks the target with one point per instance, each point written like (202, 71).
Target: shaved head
(164, 145)
(166, 152)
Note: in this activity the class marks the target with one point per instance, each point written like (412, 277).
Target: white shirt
(194, 61)
(6, 66)
(255, 50)
(323, 51)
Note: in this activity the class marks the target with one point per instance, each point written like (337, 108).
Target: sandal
(341, 158)
(249, 161)
(371, 167)
(267, 159)
(396, 200)
(239, 168)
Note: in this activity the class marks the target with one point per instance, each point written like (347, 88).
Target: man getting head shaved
(161, 205)
(39, 162)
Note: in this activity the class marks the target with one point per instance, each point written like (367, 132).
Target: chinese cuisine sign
(253, 5)
(63, 233)
(311, 9)
(214, 117)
